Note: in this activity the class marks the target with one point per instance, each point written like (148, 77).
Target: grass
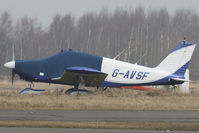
(111, 99)
(104, 125)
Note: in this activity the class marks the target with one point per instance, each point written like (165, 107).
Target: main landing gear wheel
(79, 88)
(74, 91)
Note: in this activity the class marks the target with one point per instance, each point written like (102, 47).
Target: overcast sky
(44, 10)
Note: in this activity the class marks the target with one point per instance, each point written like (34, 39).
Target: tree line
(146, 36)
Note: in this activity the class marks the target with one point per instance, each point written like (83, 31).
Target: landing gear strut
(79, 88)
(30, 85)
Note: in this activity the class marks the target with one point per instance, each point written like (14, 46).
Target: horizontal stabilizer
(179, 79)
(184, 87)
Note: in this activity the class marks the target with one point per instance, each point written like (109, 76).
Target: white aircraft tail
(177, 61)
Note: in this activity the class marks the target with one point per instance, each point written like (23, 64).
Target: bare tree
(153, 33)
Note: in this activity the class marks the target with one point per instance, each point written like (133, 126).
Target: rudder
(177, 61)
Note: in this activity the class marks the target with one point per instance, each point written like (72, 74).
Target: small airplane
(82, 69)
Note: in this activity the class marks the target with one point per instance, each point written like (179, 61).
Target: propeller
(11, 64)
(13, 75)
(13, 52)
(13, 59)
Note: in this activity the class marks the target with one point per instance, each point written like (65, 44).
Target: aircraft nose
(10, 64)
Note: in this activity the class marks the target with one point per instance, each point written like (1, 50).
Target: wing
(91, 77)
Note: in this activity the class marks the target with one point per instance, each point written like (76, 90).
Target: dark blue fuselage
(45, 69)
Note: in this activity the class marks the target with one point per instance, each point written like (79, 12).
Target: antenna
(119, 54)
(140, 58)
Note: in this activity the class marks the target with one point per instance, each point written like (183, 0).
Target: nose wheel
(29, 90)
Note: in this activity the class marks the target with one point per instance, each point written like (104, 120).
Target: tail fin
(177, 61)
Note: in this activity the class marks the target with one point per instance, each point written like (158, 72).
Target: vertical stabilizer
(177, 61)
